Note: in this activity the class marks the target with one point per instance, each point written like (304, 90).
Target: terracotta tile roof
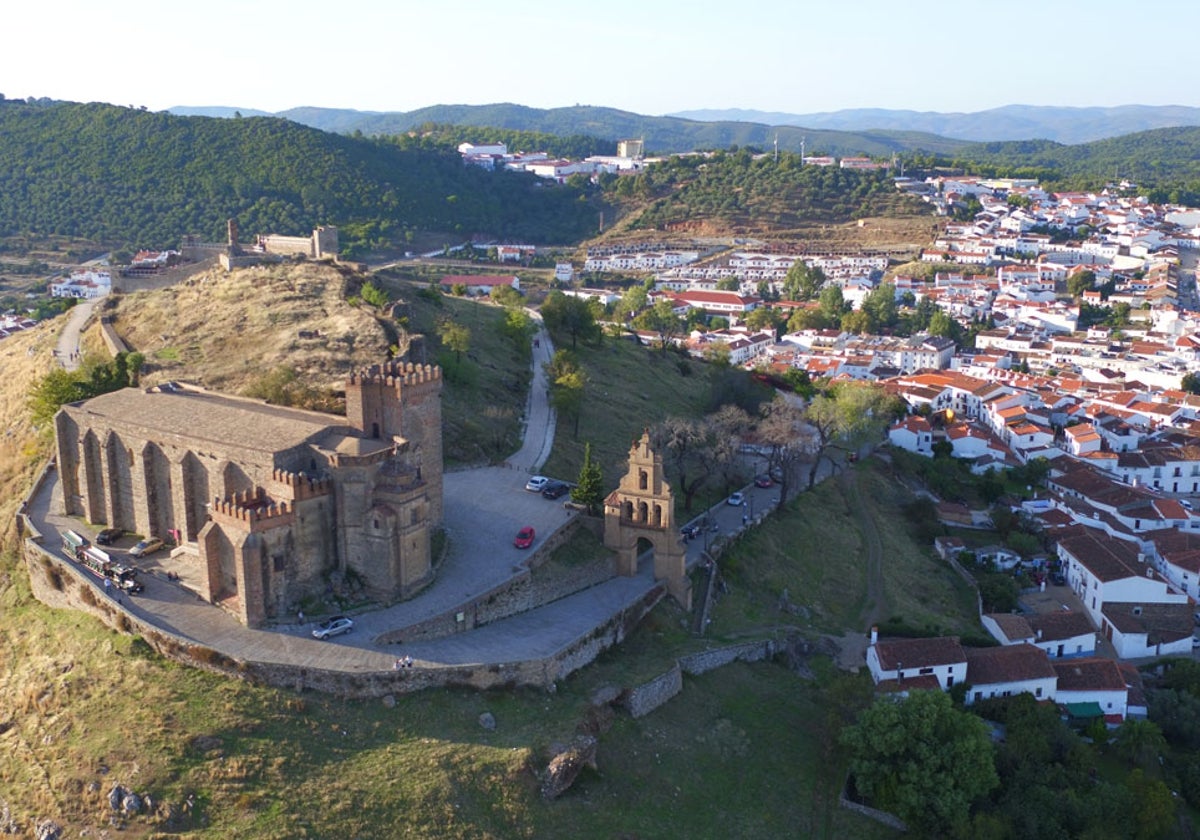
(1089, 674)
(1006, 664)
(1014, 627)
(1160, 622)
(919, 653)
(1057, 626)
(1106, 558)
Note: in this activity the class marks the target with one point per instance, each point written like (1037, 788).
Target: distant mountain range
(1012, 122)
(662, 134)
(874, 131)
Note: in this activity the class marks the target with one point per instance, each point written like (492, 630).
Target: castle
(268, 501)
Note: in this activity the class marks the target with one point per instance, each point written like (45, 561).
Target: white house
(920, 663)
(1092, 680)
(1138, 629)
(1064, 634)
(480, 284)
(1008, 670)
(914, 434)
(1103, 570)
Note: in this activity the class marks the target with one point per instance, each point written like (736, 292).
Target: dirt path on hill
(852, 646)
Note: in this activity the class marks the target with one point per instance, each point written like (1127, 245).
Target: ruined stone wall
(699, 663)
(645, 698)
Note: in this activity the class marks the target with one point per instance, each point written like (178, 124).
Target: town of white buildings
(1104, 405)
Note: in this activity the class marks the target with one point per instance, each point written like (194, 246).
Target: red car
(763, 481)
(524, 537)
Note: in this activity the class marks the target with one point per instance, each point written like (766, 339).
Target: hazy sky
(647, 56)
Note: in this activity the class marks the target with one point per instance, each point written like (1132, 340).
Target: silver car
(333, 627)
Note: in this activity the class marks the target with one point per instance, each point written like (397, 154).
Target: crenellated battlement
(252, 510)
(395, 374)
(299, 486)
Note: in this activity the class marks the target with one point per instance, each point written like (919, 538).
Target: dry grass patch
(223, 330)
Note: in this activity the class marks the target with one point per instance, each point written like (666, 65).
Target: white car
(737, 499)
(335, 626)
(537, 484)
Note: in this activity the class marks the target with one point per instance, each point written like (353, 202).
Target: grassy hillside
(132, 178)
(740, 193)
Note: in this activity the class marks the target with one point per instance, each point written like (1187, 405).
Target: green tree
(53, 391)
(1190, 383)
(844, 416)
(506, 296)
(570, 315)
(568, 382)
(763, 319)
(833, 305)
(661, 320)
(589, 491)
(374, 296)
(729, 284)
(1083, 281)
(633, 301)
(922, 759)
(1140, 742)
(802, 282)
(456, 337)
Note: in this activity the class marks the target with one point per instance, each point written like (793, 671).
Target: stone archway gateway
(643, 508)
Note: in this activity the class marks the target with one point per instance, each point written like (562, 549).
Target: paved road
(67, 349)
(540, 420)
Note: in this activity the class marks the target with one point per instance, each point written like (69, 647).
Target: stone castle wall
(60, 584)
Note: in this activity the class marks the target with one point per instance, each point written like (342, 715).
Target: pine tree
(590, 489)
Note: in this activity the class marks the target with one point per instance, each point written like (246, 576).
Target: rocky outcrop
(566, 766)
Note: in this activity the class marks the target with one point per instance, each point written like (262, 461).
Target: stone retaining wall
(112, 341)
(521, 593)
(890, 820)
(62, 585)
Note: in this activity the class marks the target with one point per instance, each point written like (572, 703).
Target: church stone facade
(266, 501)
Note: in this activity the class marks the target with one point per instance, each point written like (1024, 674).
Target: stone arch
(156, 484)
(96, 509)
(195, 494)
(234, 479)
(120, 483)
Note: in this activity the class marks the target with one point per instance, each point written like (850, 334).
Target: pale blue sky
(647, 56)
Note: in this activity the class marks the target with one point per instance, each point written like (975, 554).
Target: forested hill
(133, 178)
(1166, 161)
(662, 134)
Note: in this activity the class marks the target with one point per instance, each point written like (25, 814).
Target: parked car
(555, 489)
(146, 547)
(737, 499)
(109, 536)
(524, 537)
(537, 484)
(763, 481)
(335, 626)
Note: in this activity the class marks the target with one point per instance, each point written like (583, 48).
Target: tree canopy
(922, 759)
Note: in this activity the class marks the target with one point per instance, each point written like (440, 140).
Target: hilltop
(225, 330)
(135, 179)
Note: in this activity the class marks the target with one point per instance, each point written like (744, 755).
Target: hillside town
(1083, 314)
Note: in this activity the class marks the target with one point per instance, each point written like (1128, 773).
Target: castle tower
(402, 400)
(231, 233)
